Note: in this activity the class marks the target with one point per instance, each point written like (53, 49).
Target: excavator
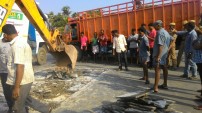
(56, 43)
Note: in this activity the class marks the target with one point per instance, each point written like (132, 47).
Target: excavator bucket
(66, 58)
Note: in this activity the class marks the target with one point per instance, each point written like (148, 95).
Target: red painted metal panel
(128, 15)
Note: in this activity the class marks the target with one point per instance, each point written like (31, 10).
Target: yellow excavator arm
(52, 37)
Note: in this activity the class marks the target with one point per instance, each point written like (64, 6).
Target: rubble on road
(139, 102)
(55, 86)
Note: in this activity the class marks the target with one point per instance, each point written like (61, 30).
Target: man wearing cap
(171, 54)
(20, 72)
(182, 44)
(160, 53)
(4, 55)
(191, 35)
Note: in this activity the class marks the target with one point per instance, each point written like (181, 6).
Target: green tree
(59, 22)
(74, 15)
(50, 17)
(66, 11)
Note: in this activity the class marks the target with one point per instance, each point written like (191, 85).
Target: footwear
(120, 68)
(192, 78)
(199, 96)
(126, 69)
(147, 82)
(173, 68)
(155, 92)
(198, 107)
(184, 76)
(142, 78)
(163, 86)
(198, 90)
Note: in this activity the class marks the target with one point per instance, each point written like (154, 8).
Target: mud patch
(53, 87)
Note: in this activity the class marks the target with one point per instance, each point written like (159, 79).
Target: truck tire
(79, 52)
(42, 56)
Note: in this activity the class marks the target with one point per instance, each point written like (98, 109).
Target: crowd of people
(156, 48)
(152, 48)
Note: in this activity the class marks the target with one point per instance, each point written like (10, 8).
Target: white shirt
(133, 44)
(20, 54)
(119, 43)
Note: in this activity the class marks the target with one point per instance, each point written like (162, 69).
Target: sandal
(153, 91)
(163, 86)
(198, 107)
(147, 82)
(198, 90)
(142, 78)
(199, 96)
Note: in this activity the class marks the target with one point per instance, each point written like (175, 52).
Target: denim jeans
(120, 57)
(190, 64)
(9, 101)
(24, 100)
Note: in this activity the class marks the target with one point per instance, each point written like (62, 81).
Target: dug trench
(53, 86)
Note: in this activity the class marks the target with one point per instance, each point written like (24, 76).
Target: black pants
(120, 57)
(7, 95)
(199, 65)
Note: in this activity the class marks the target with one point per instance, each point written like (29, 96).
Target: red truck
(126, 16)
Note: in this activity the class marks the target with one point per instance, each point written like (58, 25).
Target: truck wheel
(79, 52)
(42, 56)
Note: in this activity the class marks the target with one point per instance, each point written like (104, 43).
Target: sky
(76, 5)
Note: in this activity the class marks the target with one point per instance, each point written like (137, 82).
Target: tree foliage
(74, 15)
(66, 11)
(59, 20)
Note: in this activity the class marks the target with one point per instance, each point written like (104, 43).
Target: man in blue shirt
(144, 53)
(197, 58)
(160, 52)
(191, 35)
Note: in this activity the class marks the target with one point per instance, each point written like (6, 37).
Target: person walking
(151, 38)
(95, 47)
(144, 53)
(4, 55)
(133, 40)
(20, 73)
(160, 52)
(172, 59)
(120, 46)
(84, 41)
(191, 35)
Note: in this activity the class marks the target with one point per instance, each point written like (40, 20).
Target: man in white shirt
(133, 40)
(20, 72)
(120, 46)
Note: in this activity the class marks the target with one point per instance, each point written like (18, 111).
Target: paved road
(113, 83)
